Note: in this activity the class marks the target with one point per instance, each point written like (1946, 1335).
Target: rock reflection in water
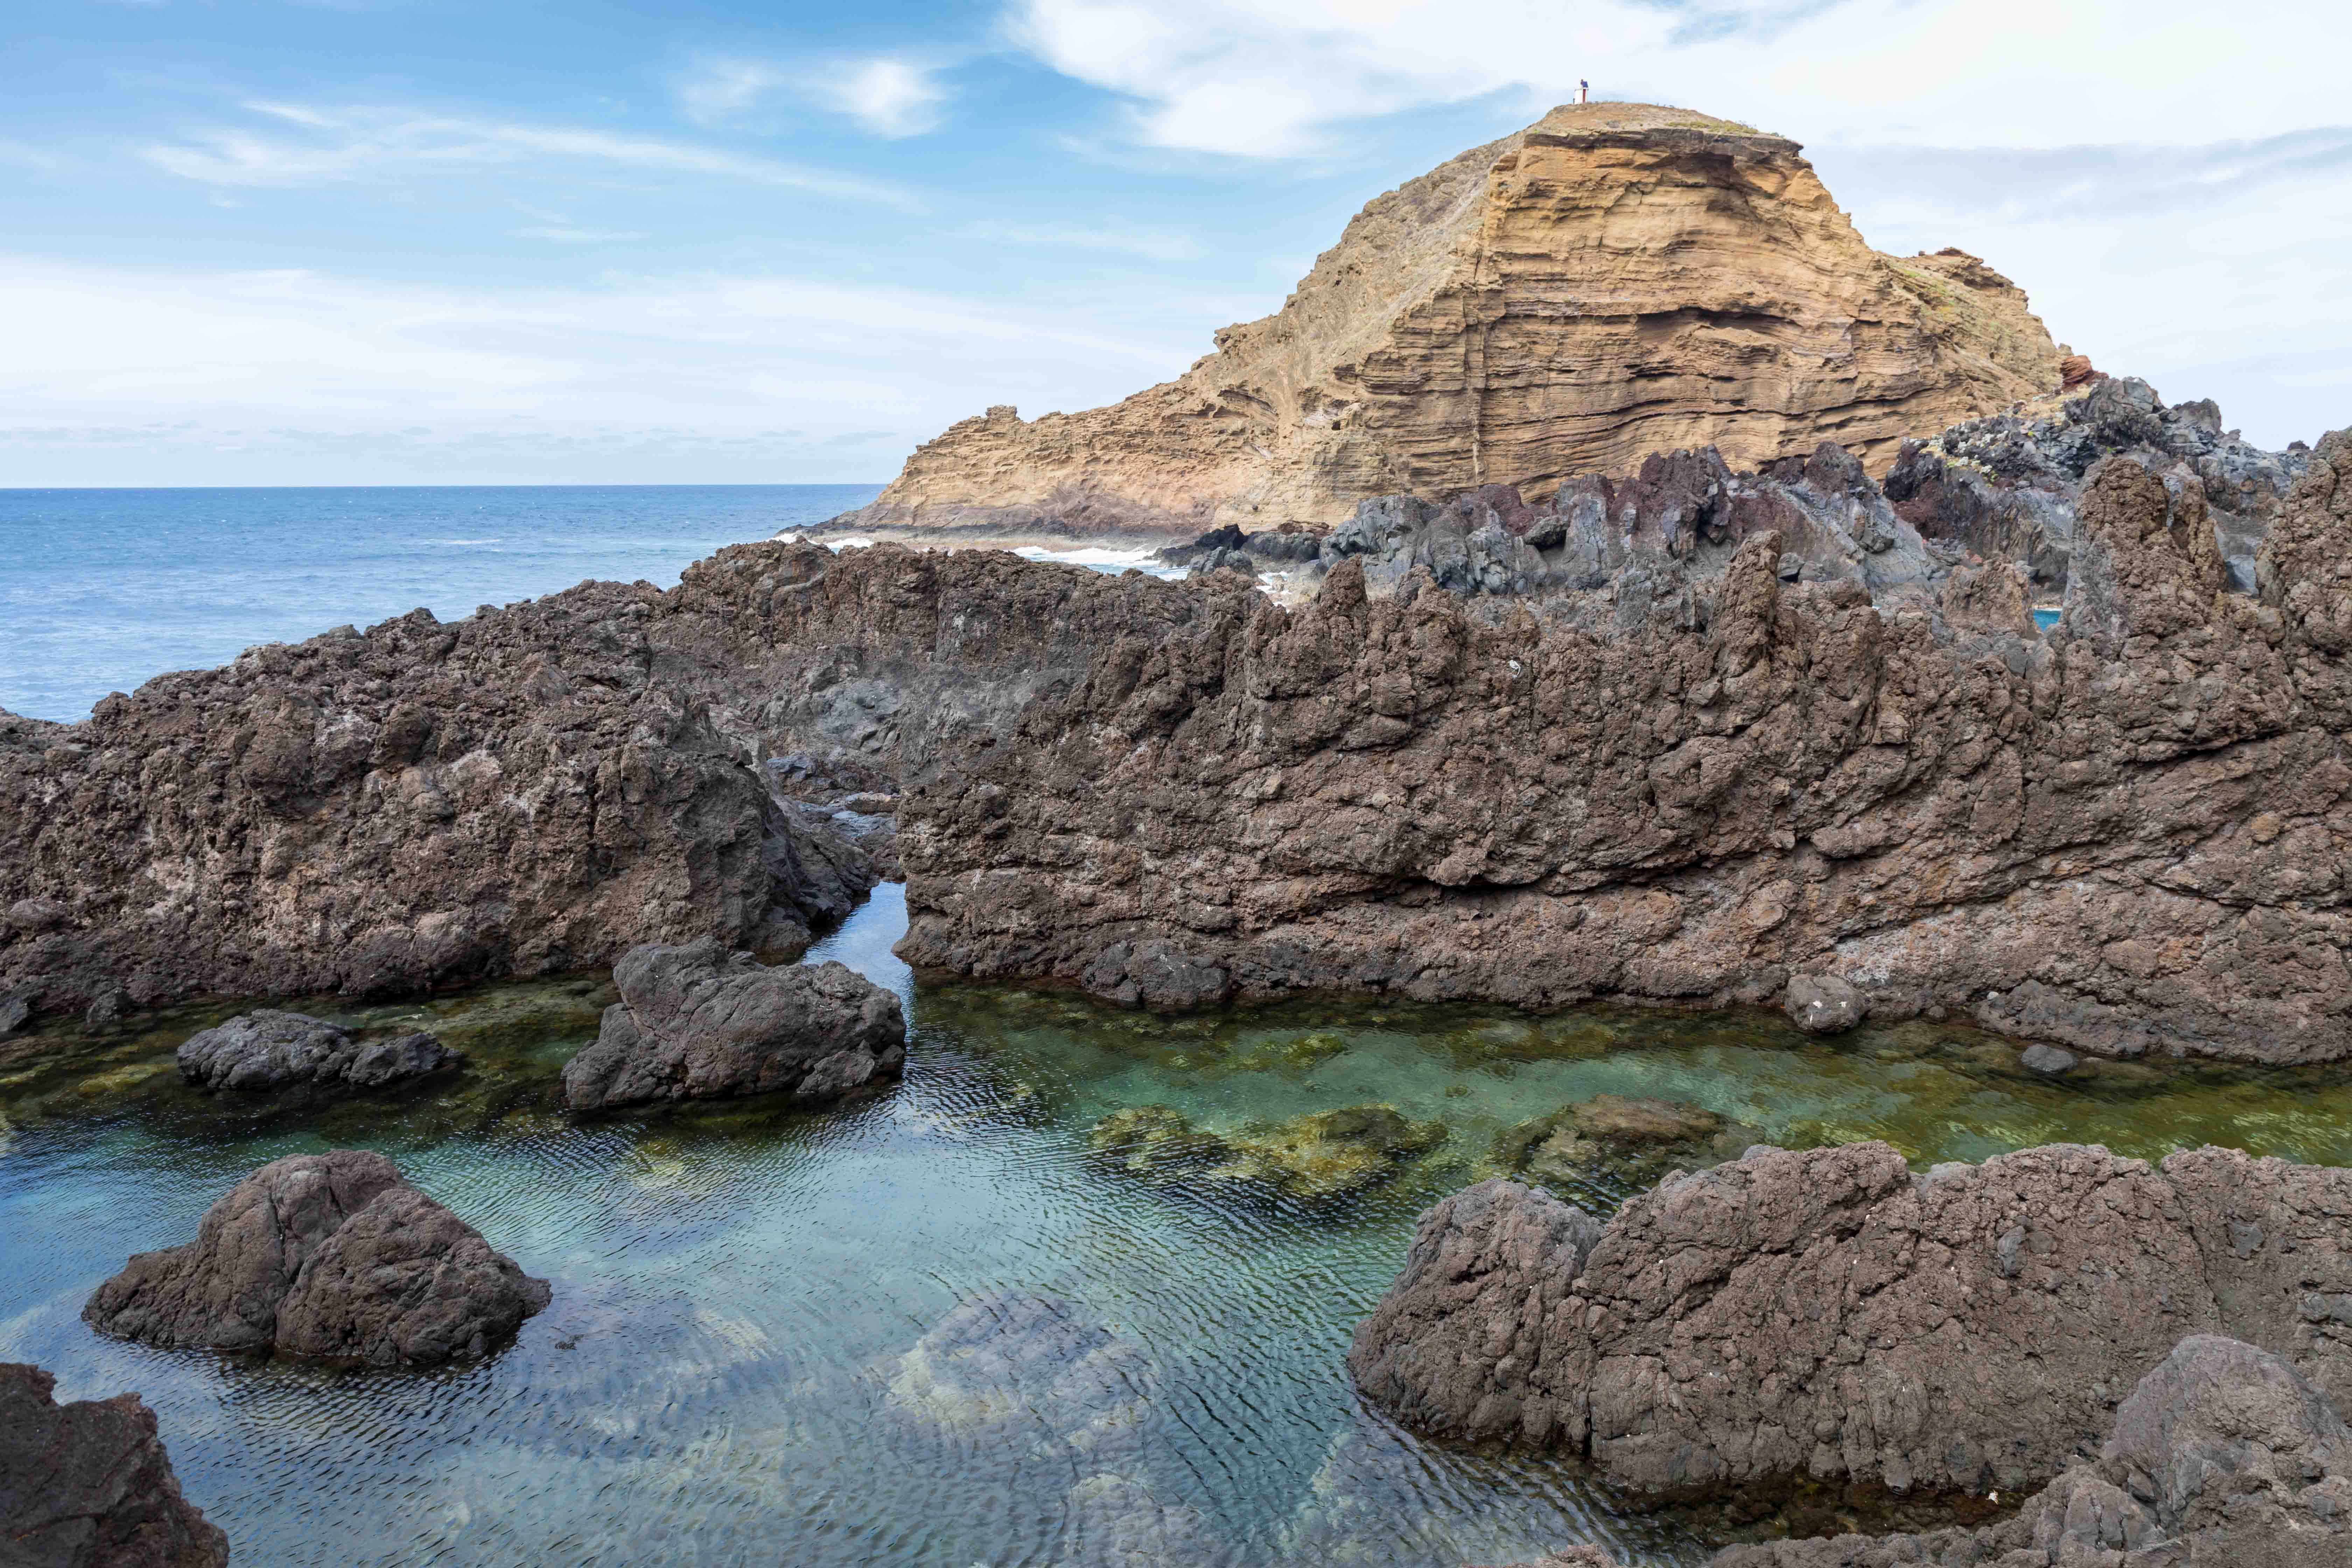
(933, 1329)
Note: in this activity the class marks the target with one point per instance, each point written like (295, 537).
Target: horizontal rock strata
(697, 1021)
(329, 1256)
(1826, 1313)
(1614, 280)
(268, 1049)
(2127, 834)
(87, 1484)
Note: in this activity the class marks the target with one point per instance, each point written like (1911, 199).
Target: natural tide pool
(735, 1366)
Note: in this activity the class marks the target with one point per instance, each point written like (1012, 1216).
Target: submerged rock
(268, 1049)
(1828, 1314)
(88, 1485)
(1313, 1158)
(332, 1256)
(698, 1021)
(2049, 1060)
(1018, 1368)
(1614, 1139)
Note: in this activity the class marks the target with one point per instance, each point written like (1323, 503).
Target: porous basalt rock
(1826, 1313)
(1614, 280)
(2222, 1455)
(87, 1484)
(2125, 834)
(529, 790)
(333, 1255)
(1315, 1158)
(697, 1021)
(268, 1049)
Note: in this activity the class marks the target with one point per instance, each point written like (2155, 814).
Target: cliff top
(1570, 120)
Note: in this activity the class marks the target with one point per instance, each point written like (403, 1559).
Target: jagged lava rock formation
(330, 1256)
(88, 1485)
(1828, 1314)
(266, 1050)
(1698, 781)
(1616, 279)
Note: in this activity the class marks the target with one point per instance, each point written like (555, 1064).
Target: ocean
(105, 589)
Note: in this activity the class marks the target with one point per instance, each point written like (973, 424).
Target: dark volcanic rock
(266, 1050)
(88, 1485)
(2127, 836)
(1827, 1313)
(329, 1254)
(698, 1021)
(530, 790)
(2222, 1455)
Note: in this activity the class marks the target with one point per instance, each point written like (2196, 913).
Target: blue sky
(465, 241)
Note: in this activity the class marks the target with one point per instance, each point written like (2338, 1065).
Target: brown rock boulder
(332, 1256)
(698, 1021)
(1828, 1314)
(88, 1485)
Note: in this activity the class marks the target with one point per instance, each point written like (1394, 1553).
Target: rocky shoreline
(1699, 767)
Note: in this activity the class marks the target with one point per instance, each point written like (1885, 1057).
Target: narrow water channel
(932, 1329)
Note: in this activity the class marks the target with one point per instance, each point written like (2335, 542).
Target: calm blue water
(105, 589)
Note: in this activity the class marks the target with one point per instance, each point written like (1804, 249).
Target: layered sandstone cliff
(1614, 280)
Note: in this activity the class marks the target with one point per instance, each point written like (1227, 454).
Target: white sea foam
(1110, 563)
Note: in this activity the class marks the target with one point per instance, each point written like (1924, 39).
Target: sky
(255, 242)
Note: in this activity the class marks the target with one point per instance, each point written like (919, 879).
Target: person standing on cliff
(1583, 90)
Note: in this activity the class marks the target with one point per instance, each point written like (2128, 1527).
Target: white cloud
(312, 146)
(1274, 77)
(222, 356)
(889, 95)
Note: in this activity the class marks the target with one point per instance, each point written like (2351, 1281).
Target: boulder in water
(332, 1256)
(698, 1021)
(268, 1049)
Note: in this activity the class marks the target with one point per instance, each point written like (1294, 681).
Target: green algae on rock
(1314, 1158)
(1627, 1142)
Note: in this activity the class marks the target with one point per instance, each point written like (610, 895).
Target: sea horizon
(114, 585)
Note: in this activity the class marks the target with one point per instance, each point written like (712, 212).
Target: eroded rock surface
(1699, 780)
(698, 1021)
(87, 1484)
(1616, 279)
(2222, 1455)
(1828, 1314)
(268, 1049)
(331, 1255)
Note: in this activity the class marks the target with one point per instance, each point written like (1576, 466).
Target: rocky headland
(1614, 280)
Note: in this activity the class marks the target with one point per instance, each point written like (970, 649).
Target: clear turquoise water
(730, 1370)
(106, 589)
